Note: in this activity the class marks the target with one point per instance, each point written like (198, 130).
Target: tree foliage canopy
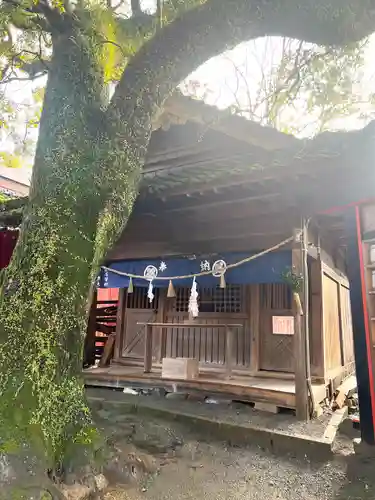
(290, 78)
(297, 87)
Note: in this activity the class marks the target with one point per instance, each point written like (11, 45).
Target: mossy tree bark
(85, 179)
(69, 223)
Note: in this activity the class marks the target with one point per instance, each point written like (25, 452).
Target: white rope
(204, 273)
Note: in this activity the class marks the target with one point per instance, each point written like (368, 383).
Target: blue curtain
(265, 269)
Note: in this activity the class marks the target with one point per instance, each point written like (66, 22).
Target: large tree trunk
(71, 218)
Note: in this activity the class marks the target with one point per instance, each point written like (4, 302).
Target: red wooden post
(361, 327)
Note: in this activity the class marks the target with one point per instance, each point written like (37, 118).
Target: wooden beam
(253, 177)
(197, 153)
(335, 274)
(89, 345)
(229, 361)
(120, 323)
(144, 249)
(300, 355)
(258, 207)
(131, 375)
(194, 206)
(312, 195)
(148, 349)
(210, 231)
(193, 323)
(317, 330)
(258, 169)
(170, 228)
(206, 177)
(108, 350)
(341, 322)
(254, 314)
(160, 318)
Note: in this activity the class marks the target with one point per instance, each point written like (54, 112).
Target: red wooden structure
(8, 240)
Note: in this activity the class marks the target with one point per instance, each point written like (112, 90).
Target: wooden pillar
(301, 331)
(229, 351)
(120, 322)
(361, 327)
(254, 313)
(162, 332)
(89, 347)
(148, 349)
(341, 322)
(316, 320)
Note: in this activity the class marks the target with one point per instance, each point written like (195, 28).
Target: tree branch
(159, 12)
(34, 69)
(210, 29)
(53, 16)
(118, 5)
(45, 17)
(13, 204)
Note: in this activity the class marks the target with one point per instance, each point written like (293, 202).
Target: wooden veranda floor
(276, 391)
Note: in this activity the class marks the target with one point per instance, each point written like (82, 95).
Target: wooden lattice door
(138, 310)
(276, 351)
(217, 306)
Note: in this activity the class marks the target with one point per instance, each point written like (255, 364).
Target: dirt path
(214, 471)
(224, 474)
(163, 460)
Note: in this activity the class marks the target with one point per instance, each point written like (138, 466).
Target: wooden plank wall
(331, 323)
(254, 347)
(347, 326)
(316, 329)
(276, 351)
(133, 308)
(337, 323)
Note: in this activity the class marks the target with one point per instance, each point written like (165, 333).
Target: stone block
(176, 395)
(76, 492)
(266, 407)
(196, 396)
(180, 368)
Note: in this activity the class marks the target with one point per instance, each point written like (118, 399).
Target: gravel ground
(176, 466)
(215, 472)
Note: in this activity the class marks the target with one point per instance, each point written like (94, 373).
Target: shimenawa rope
(204, 273)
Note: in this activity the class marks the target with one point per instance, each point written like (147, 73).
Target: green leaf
(10, 160)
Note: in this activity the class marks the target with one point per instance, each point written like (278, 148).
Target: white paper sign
(283, 325)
